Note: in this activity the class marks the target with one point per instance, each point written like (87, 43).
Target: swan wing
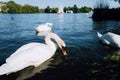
(105, 39)
(111, 39)
(35, 52)
(115, 39)
(28, 57)
(25, 47)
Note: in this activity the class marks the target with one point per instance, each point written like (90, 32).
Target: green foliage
(12, 7)
(51, 10)
(75, 9)
(67, 8)
(114, 57)
(54, 10)
(47, 10)
(29, 9)
(41, 10)
(4, 9)
(107, 68)
(85, 9)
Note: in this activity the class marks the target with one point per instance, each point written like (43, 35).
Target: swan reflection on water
(31, 71)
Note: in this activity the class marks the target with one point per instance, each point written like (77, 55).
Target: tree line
(12, 7)
(103, 12)
(75, 9)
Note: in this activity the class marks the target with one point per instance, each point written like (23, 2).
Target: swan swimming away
(32, 54)
(44, 27)
(110, 39)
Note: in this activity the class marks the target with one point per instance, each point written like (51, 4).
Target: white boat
(69, 11)
(60, 10)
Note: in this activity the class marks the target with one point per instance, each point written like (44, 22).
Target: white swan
(32, 54)
(110, 39)
(44, 27)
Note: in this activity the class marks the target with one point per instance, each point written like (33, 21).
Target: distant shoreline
(13, 8)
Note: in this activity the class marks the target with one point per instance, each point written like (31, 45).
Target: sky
(57, 3)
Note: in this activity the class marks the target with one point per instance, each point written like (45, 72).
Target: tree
(4, 9)
(75, 9)
(47, 10)
(50, 10)
(29, 9)
(54, 10)
(13, 7)
(85, 9)
(41, 10)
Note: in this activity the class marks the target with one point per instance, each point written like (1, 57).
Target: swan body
(31, 54)
(110, 39)
(44, 27)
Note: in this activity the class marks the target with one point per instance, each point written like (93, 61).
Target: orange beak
(64, 51)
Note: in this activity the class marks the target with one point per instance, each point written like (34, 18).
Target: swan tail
(5, 69)
(99, 34)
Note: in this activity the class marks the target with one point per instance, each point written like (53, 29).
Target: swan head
(59, 41)
(62, 45)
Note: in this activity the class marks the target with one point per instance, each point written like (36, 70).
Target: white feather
(31, 54)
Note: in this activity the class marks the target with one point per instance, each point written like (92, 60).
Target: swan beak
(64, 51)
(36, 31)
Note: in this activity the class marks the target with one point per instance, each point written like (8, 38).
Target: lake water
(77, 30)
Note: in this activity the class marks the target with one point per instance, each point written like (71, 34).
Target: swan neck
(49, 42)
